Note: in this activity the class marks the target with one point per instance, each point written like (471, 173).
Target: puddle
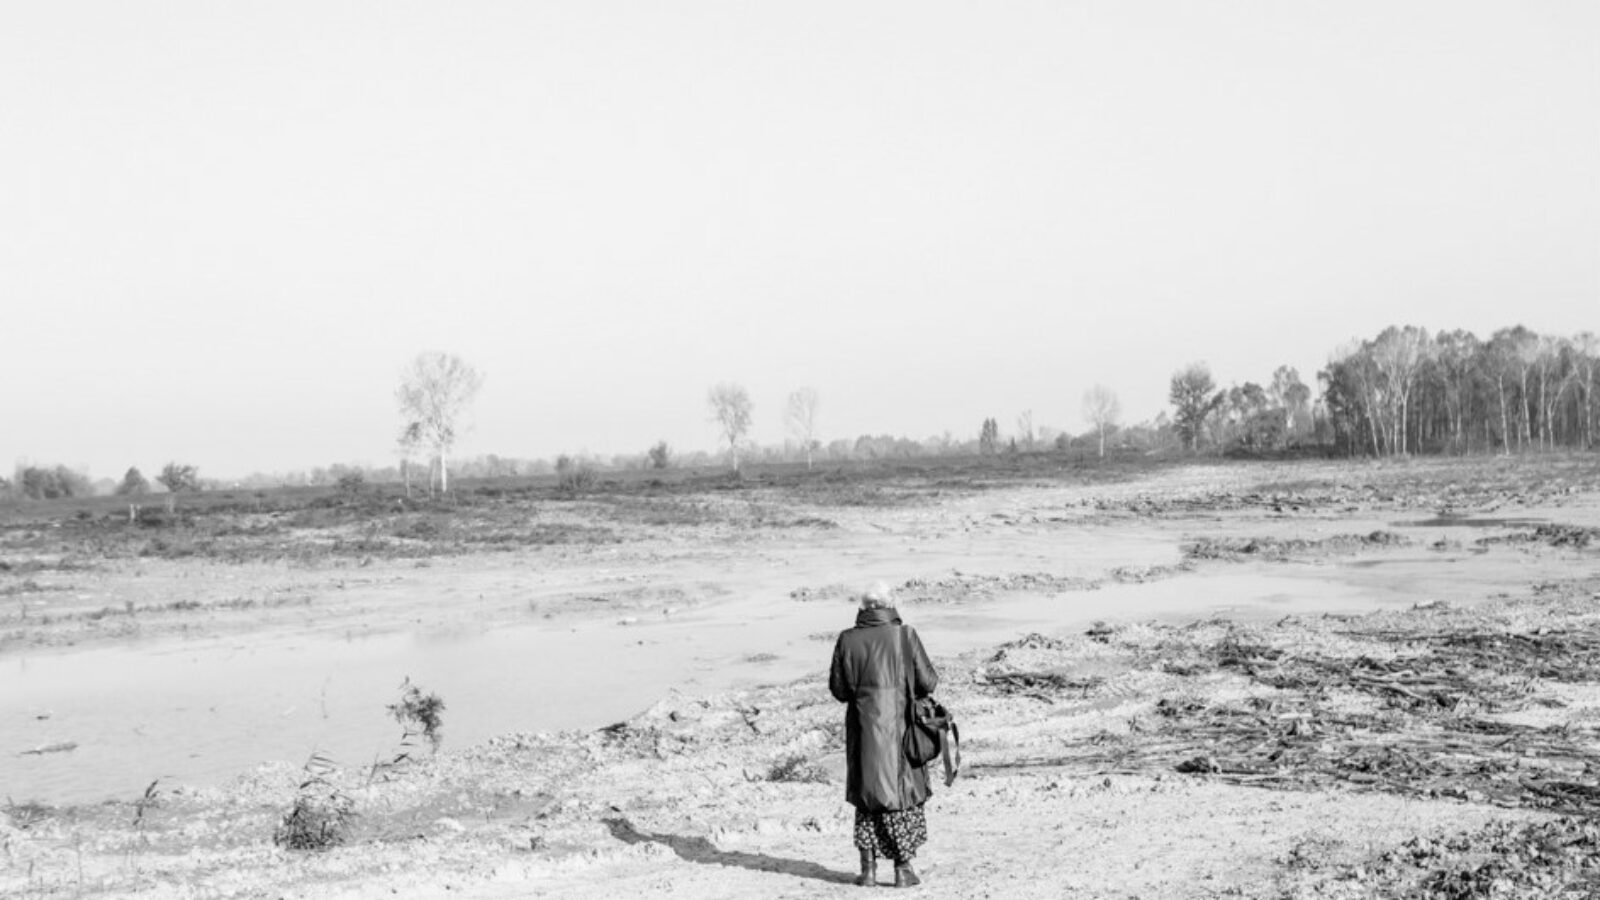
(1400, 561)
(201, 712)
(1471, 522)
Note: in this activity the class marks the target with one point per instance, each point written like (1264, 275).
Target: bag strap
(908, 666)
(952, 746)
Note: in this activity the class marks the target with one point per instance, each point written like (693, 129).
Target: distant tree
(801, 418)
(1513, 352)
(660, 455)
(1246, 418)
(1102, 409)
(1456, 359)
(134, 484)
(731, 410)
(1292, 397)
(989, 437)
(1398, 355)
(406, 447)
(178, 478)
(352, 483)
(1193, 397)
(574, 475)
(43, 483)
(1025, 434)
(1556, 375)
(1586, 363)
(435, 393)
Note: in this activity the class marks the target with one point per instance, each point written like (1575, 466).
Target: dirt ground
(1438, 742)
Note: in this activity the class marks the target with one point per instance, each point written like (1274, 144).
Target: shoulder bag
(930, 728)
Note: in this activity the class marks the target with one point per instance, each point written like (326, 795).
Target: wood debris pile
(1555, 535)
(1235, 549)
(1420, 722)
(1558, 857)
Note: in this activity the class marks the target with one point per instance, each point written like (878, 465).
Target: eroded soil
(1436, 739)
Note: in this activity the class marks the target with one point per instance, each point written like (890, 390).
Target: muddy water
(199, 712)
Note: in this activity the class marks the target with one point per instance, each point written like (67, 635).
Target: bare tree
(1399, 354)
(406, 447)
(989, 437)
(1587, 356)
(1102, 408)
(1025, 433)
(731, 410)
(801, 418)
(434, 394)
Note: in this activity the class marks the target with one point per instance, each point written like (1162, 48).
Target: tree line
(37, 482)
(1407, 391)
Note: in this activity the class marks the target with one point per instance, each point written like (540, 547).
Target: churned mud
(1307, 680)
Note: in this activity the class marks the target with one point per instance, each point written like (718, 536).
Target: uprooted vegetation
(1496, 709)
(1550, 534)
(1559, 857)
(1280, 549)
(1420, 711)
(973, 587)
(420, 715)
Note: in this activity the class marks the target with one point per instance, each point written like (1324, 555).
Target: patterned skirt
(895, 834)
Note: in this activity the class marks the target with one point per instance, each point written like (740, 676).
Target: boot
(869, 869)
(905, 876)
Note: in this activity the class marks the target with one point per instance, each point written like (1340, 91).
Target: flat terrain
(1249, 679)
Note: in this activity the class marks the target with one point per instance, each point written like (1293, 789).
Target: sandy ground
(739, 794)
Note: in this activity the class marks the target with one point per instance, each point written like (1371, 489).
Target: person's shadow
(700, 850)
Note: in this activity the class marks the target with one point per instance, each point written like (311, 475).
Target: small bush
(574, 476)
(660, 456)
(795, 768)
(419, 713)
(321, 815)
(352, 484)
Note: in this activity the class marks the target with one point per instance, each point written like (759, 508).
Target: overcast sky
(226, 227)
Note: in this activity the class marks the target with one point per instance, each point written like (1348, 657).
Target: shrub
(572, 475)
(419, 713)
(796, 768)
(660, 456)
(351, 484)
(321, 815)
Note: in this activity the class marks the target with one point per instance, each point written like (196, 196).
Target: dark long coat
(869, 665)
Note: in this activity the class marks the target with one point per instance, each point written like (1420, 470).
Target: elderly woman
(874, 663)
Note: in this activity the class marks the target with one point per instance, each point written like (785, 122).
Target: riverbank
(1314, 757)
(1274, 748)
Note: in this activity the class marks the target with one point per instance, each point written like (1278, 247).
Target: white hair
(877, 596)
